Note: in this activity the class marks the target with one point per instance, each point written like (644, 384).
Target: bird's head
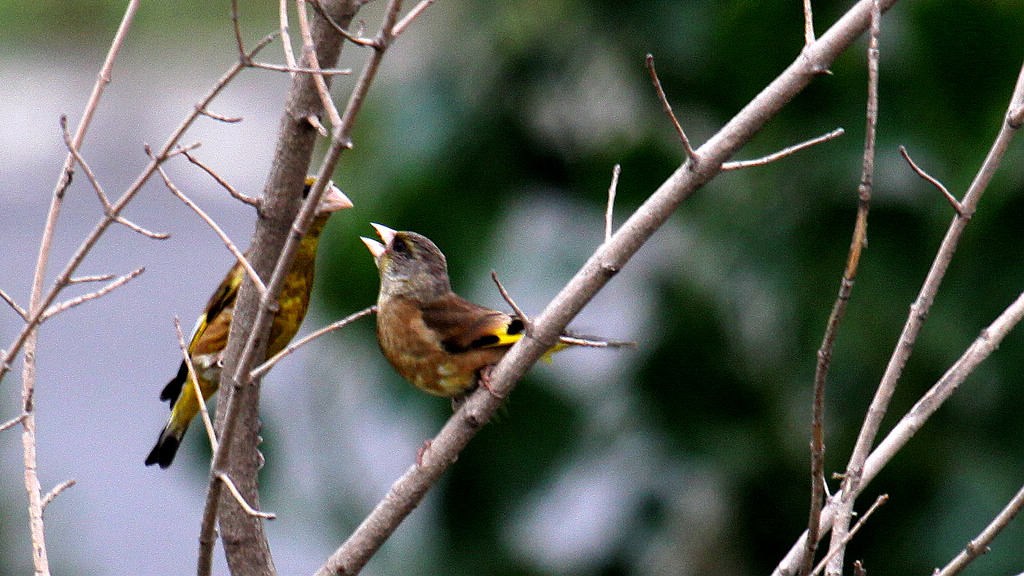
(409, 263)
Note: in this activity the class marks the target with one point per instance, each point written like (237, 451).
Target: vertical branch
(275, 241)
(37, 305)
(824, 355)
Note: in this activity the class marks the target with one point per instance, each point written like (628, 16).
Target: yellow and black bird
(433, 337)
(210, 335)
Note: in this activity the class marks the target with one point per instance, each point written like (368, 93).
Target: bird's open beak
(376, 248)
(333, 200)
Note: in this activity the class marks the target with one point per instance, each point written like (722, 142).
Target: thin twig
(13, 422)
(857, 244)
(223, 236)
(824, 561)
(736, 164)
(236, 24)
(338, 27)
(221, 117)
(933, 181)
(14, 305)
(808, 24)
(70, 145)
(100, 228)
(310, 56)
(610, 209)
(412, 15)
(980, 544)
(241, 500)
(301, 69)
(193, 380)
(262, 369)
(95, 278)
(250, 200)
(527, 323)
(38, 302)
(56, 491)
(286, 37)
(58, 308)
(690, 154)
(136, 228)
(104, 201)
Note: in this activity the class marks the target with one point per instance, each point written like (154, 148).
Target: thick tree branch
(275, 241)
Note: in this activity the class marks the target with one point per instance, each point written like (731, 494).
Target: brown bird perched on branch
(210, 335)
(434, 338)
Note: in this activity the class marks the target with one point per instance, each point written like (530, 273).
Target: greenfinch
(432, 337)
(210, 335)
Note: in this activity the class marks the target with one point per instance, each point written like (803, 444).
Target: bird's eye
(399, 246)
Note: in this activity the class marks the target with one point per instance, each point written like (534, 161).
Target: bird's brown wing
(462, 326)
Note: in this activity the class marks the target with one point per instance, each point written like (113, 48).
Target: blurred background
(493, 129)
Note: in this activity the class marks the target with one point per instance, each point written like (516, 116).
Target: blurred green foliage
(530, 101)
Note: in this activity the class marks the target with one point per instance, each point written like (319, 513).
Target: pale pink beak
(333, 200)
(376, 248)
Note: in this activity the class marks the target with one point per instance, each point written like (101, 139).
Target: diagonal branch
(262, 369)
(223, 235)
(736, 164)
(979, 545)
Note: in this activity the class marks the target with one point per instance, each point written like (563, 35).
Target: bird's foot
(485, 381)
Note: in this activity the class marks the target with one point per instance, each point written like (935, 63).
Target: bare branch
(412, 15)
(194, 380)
(145, 232)
(824, 561)
(808, 24)
(980, 544)
(856, 468)
(338, 27)
(13, 422)
(56, 491)
(508, 298)
(251, 201)
(223, 236)
(253, 316)
(221, 118)
(933, 181)
(690, 154)
(58, 308)
(14, 305)
(286, 37)
(857, 244)
(310, 56)
(76, 259)
(236, 24)
(262, 369)
(241, 501)
(38, 302)
(81, 162)
(611, 202)
(96, 278)
(300, 69)
(737, 164)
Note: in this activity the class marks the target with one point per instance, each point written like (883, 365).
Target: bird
(210, 335)
(434, 338)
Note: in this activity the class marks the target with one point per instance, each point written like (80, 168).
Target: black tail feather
(164, 451)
